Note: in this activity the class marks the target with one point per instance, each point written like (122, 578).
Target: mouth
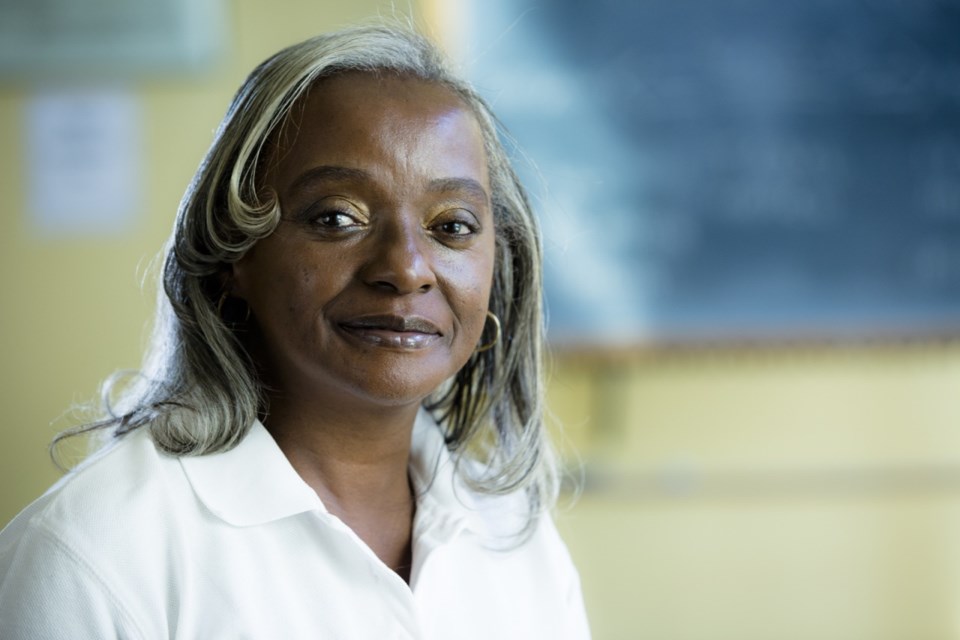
(399, 332)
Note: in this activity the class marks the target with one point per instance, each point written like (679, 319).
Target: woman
(338, 430)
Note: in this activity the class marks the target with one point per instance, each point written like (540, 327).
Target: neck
(357, 462)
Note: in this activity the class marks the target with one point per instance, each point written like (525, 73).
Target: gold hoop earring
(496, 337)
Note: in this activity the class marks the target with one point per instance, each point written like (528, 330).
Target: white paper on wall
(84, 161)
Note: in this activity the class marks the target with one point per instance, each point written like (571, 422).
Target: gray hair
(199, 392)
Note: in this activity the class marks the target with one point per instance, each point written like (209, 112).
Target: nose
(398, 260)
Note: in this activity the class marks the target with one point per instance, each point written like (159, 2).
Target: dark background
(737, 169)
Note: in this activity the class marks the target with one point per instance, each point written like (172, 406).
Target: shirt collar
(446, 506)
(251, 484)
(254, 483)
(441, 497)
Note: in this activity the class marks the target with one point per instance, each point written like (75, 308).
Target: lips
(387, 330)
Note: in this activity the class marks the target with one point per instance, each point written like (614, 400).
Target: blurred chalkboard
(713, 169)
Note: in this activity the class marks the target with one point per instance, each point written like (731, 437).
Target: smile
(397, 332)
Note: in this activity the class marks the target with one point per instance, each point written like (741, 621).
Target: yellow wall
(779, 493)
(789, 493)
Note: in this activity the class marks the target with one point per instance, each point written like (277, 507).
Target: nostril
(391, 286)
(385, 284)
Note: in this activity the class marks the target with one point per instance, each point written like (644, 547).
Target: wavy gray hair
(199, 392)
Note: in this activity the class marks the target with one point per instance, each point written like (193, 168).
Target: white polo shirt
(136, 544)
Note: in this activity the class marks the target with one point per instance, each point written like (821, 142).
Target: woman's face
(376, 282)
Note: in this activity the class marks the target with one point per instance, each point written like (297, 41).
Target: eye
(331, 217)
(456, 228)
(457, 225)
(334, 219)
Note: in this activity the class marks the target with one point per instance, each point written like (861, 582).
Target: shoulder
(109, 498)
(494, 539)
(57, 557)
(119, 483)
(528, 583)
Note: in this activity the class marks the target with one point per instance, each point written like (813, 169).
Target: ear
(230, 279)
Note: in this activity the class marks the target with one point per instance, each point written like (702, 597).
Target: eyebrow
(349, 174)
(328, 172)
(469, 185)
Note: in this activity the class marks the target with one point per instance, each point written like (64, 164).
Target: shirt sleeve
(48, 591)
(577, 626)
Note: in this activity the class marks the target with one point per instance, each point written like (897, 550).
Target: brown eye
(457, 224)
(456, 228)
(335, 220)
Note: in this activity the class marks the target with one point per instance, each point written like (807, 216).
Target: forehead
(359, 87)
(358, 119)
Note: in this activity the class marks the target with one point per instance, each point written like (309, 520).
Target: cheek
(303, 292)
(280, 286)
(475, 316)
(475, 299)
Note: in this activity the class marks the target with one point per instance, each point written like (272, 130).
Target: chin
(395, 390)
